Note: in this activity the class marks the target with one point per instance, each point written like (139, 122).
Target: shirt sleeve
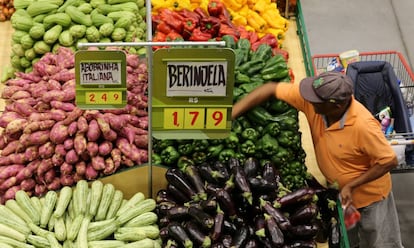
(289, 92)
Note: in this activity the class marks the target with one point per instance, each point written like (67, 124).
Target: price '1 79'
(195, 118)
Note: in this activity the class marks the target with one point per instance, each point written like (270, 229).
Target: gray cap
(327, 87)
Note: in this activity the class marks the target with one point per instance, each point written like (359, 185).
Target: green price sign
(100, 79)
(192, 93)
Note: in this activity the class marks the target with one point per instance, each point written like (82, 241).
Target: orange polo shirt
(348, 148)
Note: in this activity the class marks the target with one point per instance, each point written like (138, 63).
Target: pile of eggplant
(239, 204)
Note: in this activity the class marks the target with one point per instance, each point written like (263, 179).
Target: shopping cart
(406, 83)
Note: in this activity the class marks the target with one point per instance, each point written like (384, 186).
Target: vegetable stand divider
(405, 79)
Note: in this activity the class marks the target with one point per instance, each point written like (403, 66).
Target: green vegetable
(226, 154)
(268, 144)
(37, 31)
(118, 34)
(185, 148)
(52, 35)
(66, 38)
(169, 155)
(199, 157)
(230, 42)
(232, 141)
(248, 147)
(273, 128)
(250, 134)
(77, 30)
(214, 151)
(92, 34)
(200, 145)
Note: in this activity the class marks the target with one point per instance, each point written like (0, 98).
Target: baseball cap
(326, 87)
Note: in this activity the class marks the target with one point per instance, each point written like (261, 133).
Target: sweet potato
(8, 91)
(91, 173)
(20, 95)
(111, 135)
(92, 148)
(7, 117)
(5, 160)
(9, 182)
(80, 168)
(28, 184)
(128, 133)
(60, 149)
(66, 168)
(63, 75)
(38, 90)
(55, 184)
(38, 125)
(82, 124)
(24, 108)
(140, 155)
(124, 146)
(141, 141)
(80, 145)
(11, 192)
(116, 156)
(49, 175)
(109, 166)
(90, 114)
(103, 125)
(57, 114)
(68, 144)
(65, 106)
(73, 116)
(67, 180)
(71, 157)
(28, 77)
(40, 190)
(127, 161)
(15, 126)
(3, 141)
(10, 170)
(53, 85)
(12, 147)
(46, 150)
(32, 152)
(59, 133)
(24, 173)
(72, 128)
(105, 148)
(44, 166)
(94, 132)
(17, 158)
(98, 163)
(58, 159)
(39, 137)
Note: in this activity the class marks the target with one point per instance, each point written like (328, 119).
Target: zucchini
(14, 243)
(54, 243)
(96, 225)
(36, 203)
(60, 229)
(23, 199)
(108, 192)
(38, 230)
(96, 195)
(47, 210)
(146, 205)
(105, 244)
(129, 235)
(10, 232)
(144, 243)
(38, 241)
(80, 197)
(51, 223)
(82, 239)
(152, 231)
(72, 231)
(134, 200)
(103, 232)
(144, 219)
(115, 204)
(63, 201)
(9, 214)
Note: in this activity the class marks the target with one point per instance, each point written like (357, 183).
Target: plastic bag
(351, 216)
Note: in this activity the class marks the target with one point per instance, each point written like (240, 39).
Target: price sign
(100, 79)
(194, 93)
(111, 97)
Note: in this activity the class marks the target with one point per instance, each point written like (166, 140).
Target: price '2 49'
(111, 97)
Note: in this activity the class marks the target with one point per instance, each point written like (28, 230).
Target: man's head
(333, 87)
(329, 92)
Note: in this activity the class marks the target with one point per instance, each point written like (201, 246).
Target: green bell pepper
(199, 157)
(236, 127)
(248, 147)
(268, 144)
(200, 145)
(214, 151)
(273, 61)
(250, 134)
(226, 154)
(273, 128)
(247, 88)
(262, 53)
(185, 148)
(183, 162)
(229, 40)
(169, 155)
(232, 141)
(241, 78)
(156, 159)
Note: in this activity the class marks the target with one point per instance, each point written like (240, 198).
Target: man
(350, 149)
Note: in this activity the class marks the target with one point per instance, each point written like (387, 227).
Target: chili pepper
(248, 64)
(215, 8)
(255, 69)
(263, 52)
(156, 159)
(198, 35)
(173, 18)
(232, 141)
(185, 148)
(169, 155)
(241, 78)
(210, 25)
(183, 162)
(177, 178)
(199, 157)
(164, 27)
(214, 151)
(268, 144)
(275, 232)
(226, 154)
(200, 145)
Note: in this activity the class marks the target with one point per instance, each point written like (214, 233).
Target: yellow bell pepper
(158, 4)
(256, 21)
(232, 4)
(239, 20)
(178, 4)
(261, 5)
(278, 33)
(274, 19)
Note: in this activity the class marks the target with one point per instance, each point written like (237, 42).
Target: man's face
(326, 108)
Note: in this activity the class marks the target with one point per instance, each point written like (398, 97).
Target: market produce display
(44, 26)
(243, 204)
(6, 10)
(95, 215)
(47, 142)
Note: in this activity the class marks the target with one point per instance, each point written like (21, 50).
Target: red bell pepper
(186, 13)
(282, 52)
(244, 34)
(227, 30)
(200, 12)
(210, 25)
(164, 27)
(253, 37)
(215, 8)
(189, 25)
(198, 35)
(159, 36)
(173, 35)
(174, 19)
(269, 39)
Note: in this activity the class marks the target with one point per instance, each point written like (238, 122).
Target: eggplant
(178, 179)
(261, 185)
(227, 240)
(164, 234)
(222, 168)
(233, 162)
(334, 238)
(164, 221)
(226, 202)
(301, 244)
(252, 243)
(299, 196)
(275, 233)
(282, 221)
(210, 175)
(163, 195)
(217, 245)
(163, 207)
(218, 224)
(269, 173)
(178, 213)
(242, 183)
(210, 205)
(196, 235)
(251, 167)
(304, 214)
(260, 226)
(229, 227)
(194, 177)
(240, 237)
(304, 231)
(178, 232)
(203, 218)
